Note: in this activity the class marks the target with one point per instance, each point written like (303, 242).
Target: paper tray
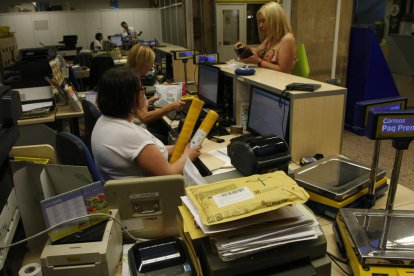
(335, 177)
(379, 236)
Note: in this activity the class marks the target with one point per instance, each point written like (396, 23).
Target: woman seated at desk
(120, 147)
(141, 59)
(277, 49)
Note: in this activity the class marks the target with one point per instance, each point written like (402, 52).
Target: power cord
(72, 220)
(336, 259)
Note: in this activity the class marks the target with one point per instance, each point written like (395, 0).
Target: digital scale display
(363, 108)
(184, 54)
(390, 125)
(210, 58)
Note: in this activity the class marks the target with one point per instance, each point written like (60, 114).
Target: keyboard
(174, 115)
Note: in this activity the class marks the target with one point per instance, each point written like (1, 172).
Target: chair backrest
(301, 68)
(36, 151)
(92, 46)
(71, 150)
(99, 65)
(91, 114)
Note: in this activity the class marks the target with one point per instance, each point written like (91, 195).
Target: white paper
(284, 213)
(32, 106)
(191, 174)
(222, 155)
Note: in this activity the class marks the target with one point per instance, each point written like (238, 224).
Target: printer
(259, 154)
(85, 258)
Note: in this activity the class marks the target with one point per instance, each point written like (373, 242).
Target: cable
(194, 75)
(335, 259)
(71, 220)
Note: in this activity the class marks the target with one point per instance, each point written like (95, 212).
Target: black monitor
(116, 40)
(268, 113)
(209, 86)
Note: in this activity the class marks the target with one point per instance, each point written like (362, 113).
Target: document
(239, 198)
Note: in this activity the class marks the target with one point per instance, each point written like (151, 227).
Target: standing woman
(277, 50)
(141, 59)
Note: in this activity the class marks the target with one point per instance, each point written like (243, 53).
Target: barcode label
(233, 197)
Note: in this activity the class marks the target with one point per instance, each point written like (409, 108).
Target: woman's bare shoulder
(289, 37)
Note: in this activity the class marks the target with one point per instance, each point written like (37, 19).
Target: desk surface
(404, 201)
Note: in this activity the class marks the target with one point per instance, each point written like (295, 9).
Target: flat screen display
(116, 40)
(268, 113)
(208, 84)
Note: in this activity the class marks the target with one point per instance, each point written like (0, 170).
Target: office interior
(357, 51)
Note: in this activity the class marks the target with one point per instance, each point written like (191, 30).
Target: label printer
(259, 154)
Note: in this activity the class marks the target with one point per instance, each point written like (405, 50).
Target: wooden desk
(68, 112)
(316, 118)
(61, 112)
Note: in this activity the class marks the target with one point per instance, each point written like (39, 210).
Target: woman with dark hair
(121, 148)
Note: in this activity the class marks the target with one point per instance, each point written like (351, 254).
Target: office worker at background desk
(97, 44)
(277, 49)
(121, 148)
(141, 59)
(129, 31)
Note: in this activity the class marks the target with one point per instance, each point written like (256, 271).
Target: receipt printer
(259, 154)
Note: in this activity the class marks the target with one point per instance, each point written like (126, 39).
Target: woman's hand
(239, 45)
(152, 100)
(252, 59)
(192, 153)
(178, 105)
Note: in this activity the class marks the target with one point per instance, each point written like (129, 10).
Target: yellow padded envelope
(238, 198)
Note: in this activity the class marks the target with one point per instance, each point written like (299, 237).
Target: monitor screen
(116, 40)
(268, 113)
(208, 84)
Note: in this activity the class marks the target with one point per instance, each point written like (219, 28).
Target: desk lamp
(380, 242)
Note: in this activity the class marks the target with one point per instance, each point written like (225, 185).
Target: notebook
(147, 205)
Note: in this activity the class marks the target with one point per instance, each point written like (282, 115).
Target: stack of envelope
(246, 215)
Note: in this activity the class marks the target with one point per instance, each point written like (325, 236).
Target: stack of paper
(251, 214)
(36, 101)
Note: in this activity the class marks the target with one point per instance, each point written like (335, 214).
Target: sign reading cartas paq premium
(238, 198)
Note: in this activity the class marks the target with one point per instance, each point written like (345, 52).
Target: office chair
(99, 65)
(301, 68)
(92, 46)
(71, 150)
(91, 114)
(84, 59)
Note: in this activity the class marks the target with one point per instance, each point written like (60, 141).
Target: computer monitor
(116, 40)
(268, 113)
(209, 85)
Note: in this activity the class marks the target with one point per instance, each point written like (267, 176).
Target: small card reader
(166, 256)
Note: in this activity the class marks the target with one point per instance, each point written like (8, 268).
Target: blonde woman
(277, 49)
(140, 60)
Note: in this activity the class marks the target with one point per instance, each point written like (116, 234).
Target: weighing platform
(336, 182)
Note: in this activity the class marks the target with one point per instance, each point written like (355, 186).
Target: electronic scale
(381, 242)
(336, 182)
